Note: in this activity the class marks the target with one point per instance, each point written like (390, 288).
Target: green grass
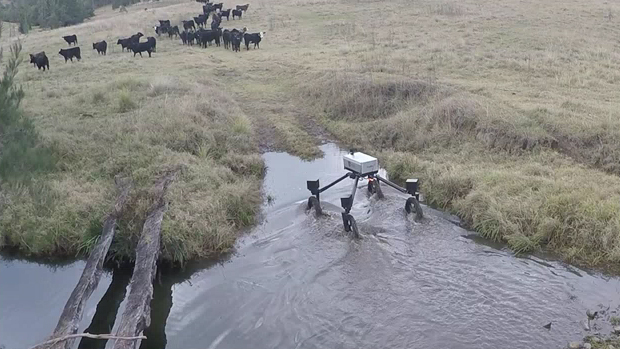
(479, 159)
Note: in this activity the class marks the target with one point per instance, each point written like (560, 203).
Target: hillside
(508, 111)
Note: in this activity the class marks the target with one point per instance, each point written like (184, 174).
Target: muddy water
(300, 282)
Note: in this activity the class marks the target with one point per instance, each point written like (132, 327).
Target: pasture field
(508, 111)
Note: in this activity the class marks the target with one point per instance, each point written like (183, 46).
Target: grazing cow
(71, 39)
(237, 13)
(201, 20)
(235, 40)
(254, 38)
(225, 14)
(226, 38)
(243, 7)
(139, 47)
(70, 53)
(173, 31)
(101, 47)
(218, 6)
(125, 43)
(40, 60)
(187, 25)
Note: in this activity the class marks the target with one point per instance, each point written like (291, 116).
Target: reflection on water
(300, 282)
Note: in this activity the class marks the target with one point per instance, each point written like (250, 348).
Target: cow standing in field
(243, 8)
(174, 31)
(236, 13)
(254, 38)
(101, 47)
(71, 39)
(40, 60)
(125, 43)
(187, 25)
(225, 14)
(70, 53)
(140, 47)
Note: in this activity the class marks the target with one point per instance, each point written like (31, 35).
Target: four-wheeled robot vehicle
(362, 166)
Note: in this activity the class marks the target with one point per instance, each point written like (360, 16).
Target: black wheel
(350, 225)
(353, 227)
(377, 189)
(412, 201)
(313, 202)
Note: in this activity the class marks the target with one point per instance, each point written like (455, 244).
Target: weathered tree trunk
(69, 321)
(136, 316)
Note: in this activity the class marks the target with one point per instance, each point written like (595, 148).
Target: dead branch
(87, 335)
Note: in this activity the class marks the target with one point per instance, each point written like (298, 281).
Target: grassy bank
(503, 174)
(119, 116)
(509, 116)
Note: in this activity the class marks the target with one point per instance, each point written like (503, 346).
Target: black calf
(142, 47)
(187, 25)
(101, 47)
(225, 14)
(70, 53)
(40, 60)
(237, 13)
(71, 39)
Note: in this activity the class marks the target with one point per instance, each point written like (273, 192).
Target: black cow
(139, 47)
(254, 38)
(164, 23)
(70, 53)
(136, 37)
(226, 38)
(235, 40)
(101, 47)
(173, 31)
(201, 20)
(225, 14)
(161, 30)
(207, 9)
(151, 40)
(218, 6)
(125, 43)
(191, 36)
(71, 39)
(40, 60)
(187, 25)
(243, 7)
(237, 13)
(183, 36)
(207, 36)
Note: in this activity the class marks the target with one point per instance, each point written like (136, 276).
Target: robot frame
(361, 166)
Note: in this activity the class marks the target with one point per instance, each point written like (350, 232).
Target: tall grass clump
(126, 102)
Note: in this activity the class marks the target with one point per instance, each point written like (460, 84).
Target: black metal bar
(350, 205)
(395, 186)
(334, 182)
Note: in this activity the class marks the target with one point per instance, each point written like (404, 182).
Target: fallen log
(83, 335)
(69, 321)
(136, 316)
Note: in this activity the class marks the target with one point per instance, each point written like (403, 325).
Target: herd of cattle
(194, 32)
